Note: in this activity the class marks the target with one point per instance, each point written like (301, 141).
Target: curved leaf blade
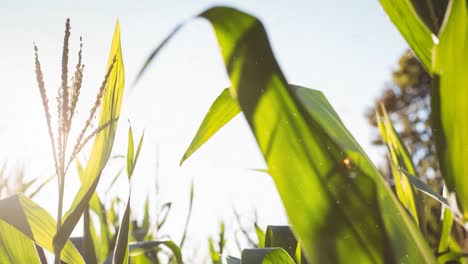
(223, 110)
(37, 224)
(16, 247)
(412, 28)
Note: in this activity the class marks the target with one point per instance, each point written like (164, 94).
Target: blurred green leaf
(36, 223)
(146, 246)
(400, 157)
(447, 222)
(121, 246)
(102, 147)
(164, 212)
(260, 236)
(16, 247)
(189, 215)
(403, 14)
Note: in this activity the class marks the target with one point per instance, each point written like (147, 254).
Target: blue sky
(346, 49)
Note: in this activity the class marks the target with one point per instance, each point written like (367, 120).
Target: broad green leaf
(266, 256)
(449, 104)
(35, 223)
(146, 246)
(121, 246)
(403, 14)
(309, 151)
(223, 110)
(15, 247)
(103, 142)
(400, 157)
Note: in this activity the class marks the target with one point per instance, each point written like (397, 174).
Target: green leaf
(130, 153)
(260, 236)
(165, 209)
(266, 256)
(16, 247)
(102, 146)
(146, 220)
(89, 233)
(447, 222)
(449, 104)
(400, 157)
(215, 256)
(121, 246)
(423, 187)
(35, 223)
(146, 246)
(282, 237)
(412, 28)
(309, 151)
(223, 110)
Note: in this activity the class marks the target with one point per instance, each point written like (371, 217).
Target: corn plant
(25, 219)
(340, 207)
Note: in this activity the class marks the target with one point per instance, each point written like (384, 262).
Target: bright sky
(347, 49)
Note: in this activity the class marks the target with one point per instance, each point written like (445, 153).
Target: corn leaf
(412, 28)
(309, 151)
(35, 223)
(16, 247)
(260, 236)
(139, 248)
(447, 222)
(282, 237)
(266, 256)
(121, 246)
(449, 104)
(102, 146)
(400, 157)
(223, 110)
